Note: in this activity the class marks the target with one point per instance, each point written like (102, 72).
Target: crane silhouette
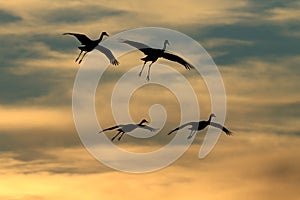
(153, 54)
(89, 45)
(197, 126)
(122, 129)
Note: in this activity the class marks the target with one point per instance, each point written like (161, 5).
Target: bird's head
(212, 115)
(167, 42)
(104, 33)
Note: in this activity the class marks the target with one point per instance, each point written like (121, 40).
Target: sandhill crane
(128, 128)
(197, 126)
(90, 45)
(153, 54)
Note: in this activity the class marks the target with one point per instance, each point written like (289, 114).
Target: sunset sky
(256, 47)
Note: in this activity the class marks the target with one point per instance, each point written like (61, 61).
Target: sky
(256, 47)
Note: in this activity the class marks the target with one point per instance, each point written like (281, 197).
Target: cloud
(79, 14)
(110, 16)
(254, 44)
(222, 173)
(266, 39)
(54, 87)
(6, 17)
(288, 13)
(36, 72)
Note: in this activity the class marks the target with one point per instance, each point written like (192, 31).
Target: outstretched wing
(228, 132)
(180, 127)
(148, 128)
(110, 128)
(178, 59)
(82, 38)
(140, 46)
(108, 54)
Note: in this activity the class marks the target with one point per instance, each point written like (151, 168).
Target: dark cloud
(268, 41)
(261, 6)
(273, 118)
(80, 14)
(29, 87)
(6, 17)
(21, 87)
(16, 51)
(264, 38)
(16, 48)
(48, 151)
(289, 110)
(56, 41)
(37, 139)
(32, 155)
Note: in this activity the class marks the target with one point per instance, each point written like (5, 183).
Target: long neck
(209, 120)
(100, 38)
(165, 46)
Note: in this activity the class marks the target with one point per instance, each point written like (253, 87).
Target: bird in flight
(153, 54)
(122, 129)
(89, 45)
(197, 126)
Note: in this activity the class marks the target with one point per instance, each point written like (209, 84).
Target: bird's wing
(140, 46)
(178, 59)
(108, 54)
(148, 128)
(110, 128)
(228, 132)
(82, 38)
(180, 127)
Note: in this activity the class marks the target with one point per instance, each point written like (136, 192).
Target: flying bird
(122, 129)
(89, 45)
(197, 126)
(153, 54)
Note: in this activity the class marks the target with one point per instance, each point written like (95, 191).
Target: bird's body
(89, 45)
(152, 55)
(122, 129)
(200, 125)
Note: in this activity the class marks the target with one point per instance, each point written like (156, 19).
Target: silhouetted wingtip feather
(188, 66)
(225, 130)
(178, 59)
(108, 54)
(229, 133)
(115, 62)
(170, 132)
(173, 131)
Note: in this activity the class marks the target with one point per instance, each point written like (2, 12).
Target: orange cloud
(268, 171)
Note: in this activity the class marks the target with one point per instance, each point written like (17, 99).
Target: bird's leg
(121, 136)
(140, 74)
(82, 57)
(148, 75)
(78, 55)
(112, 139)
